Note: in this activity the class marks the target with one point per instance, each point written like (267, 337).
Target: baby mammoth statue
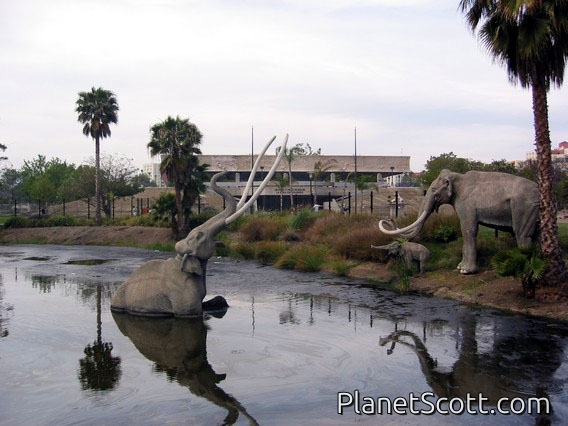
(408, 251)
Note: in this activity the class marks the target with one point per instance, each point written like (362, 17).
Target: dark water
(285, 348)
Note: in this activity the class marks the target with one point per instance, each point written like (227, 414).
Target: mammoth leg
(524, 223)
(468, 265)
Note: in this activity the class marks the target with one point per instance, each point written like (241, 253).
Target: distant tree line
(527, 169)
(55, 181)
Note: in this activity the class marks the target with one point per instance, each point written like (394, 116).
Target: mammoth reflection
(517, 364)
(178, 348)
(99, 369)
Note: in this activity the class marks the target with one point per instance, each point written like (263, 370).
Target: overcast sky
(408, 74)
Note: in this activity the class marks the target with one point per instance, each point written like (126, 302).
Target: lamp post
(311, 192)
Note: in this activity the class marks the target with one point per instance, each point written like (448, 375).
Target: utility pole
(355, 169)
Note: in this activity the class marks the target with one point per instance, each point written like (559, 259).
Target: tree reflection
(44, 282)
(99, 370)
(178, 349)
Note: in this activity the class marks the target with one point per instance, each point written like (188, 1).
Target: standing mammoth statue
(497, 200)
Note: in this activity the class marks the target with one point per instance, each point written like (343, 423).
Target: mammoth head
(195, 250)
(441, 191)
(393, 249)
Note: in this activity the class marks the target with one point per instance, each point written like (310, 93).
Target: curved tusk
(253, 173)
(264, 182)
(397, 231)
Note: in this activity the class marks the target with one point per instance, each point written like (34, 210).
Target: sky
(409, 75)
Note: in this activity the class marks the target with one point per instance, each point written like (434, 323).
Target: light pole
(355, 190)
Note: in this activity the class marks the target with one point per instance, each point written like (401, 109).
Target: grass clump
(302, 220)
(261, 228)
(303, 257)
(243, 250)
(268, 252)
(341, 266)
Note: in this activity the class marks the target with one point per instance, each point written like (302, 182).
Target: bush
(356, 244)
(341, 266)
(440, 226)
(304, 257)
(63, 221)
(268, 252)
(444, 234)
(18, 222)
(302, 219)
(244, 250)
(261, 228)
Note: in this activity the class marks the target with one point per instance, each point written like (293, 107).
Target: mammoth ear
(449, 186)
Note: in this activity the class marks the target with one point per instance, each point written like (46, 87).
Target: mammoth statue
(497, 200)
(176, 286)
(408, 251)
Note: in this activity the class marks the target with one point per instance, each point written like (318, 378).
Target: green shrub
(268, 252)
(244, 250)
(439, 226)
(302, 219)
(18, 222)
(310, 258)
(304, 257)
(356, 244)
(444, 234)
(341, 266)
(287, 261)
(261, 228)
(62, 221)
(198, 219)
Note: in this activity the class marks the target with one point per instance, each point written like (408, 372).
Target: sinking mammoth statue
(176, 287)
(497, 200)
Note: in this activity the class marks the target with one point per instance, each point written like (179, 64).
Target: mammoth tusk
(253, 172)
(398, 231)
(242, 207)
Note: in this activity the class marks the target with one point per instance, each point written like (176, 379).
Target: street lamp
(311, 192)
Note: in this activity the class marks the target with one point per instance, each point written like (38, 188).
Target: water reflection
(517, 365)
(178, 347)
(3, 309)
(99, 370)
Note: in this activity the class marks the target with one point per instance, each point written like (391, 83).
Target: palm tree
(320, 168)
(290, 156)
(97, 110)
(530, 38)
(177, 141)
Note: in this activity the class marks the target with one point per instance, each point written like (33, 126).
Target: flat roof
(305, 163)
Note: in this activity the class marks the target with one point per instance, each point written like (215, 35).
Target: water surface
(285, 348)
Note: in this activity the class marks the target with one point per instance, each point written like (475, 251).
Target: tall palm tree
(177, 141)
(320, 168)
(97, 109)
(530, 38)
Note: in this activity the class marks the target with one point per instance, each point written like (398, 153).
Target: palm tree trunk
(290, 183)
(98, 220)
(549, 241)
(179, 209)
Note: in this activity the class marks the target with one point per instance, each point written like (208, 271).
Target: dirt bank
(485, 288)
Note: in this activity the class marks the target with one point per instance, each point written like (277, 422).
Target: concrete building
(307, 184)
(153, 171)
